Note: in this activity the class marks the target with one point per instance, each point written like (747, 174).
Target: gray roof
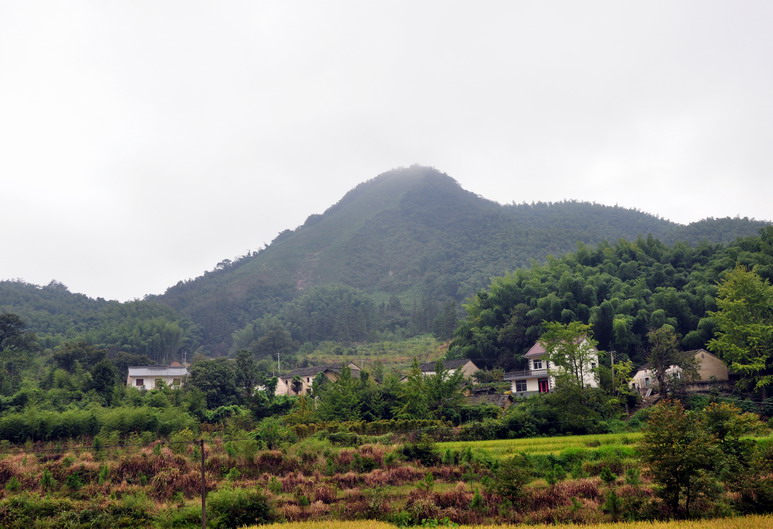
(448, 364)
(315, 370)
(157, 371)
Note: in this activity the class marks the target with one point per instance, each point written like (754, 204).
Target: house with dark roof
(150, 377)
(540, 375)
(467, 367)
(299, 381)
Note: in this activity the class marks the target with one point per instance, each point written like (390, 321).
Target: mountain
(415, 234)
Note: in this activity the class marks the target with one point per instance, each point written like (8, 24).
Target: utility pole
(612, 360)
(203, 488)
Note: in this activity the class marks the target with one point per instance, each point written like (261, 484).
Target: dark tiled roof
(448, 364)
(538, 349)
(315, 370)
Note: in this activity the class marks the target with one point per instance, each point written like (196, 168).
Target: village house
(540, 376)
(150, 377)
(464, 365)
(711, 373)
(299, 381)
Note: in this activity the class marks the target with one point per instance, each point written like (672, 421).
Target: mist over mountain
(414, 233)
(394, 257)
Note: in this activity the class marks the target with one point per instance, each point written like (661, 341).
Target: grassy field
(399, 354)
(741, 522)
(542, 445)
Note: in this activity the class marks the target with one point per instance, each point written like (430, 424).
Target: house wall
(469, 369)
(711, 367)
(150, 382)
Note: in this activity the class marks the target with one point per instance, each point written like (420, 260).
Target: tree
(744, 327)
(246, 374)
(341, 400)
(104, 376)
(571, 349)
(680, 454)
(664, 354)
(412, 403)
(443, 392)
(11, 329)
(216, 379)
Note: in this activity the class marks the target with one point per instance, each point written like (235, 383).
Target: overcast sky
(141, 142)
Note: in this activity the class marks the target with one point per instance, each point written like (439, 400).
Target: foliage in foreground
(745, 522)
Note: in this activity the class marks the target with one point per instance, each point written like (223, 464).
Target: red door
(544, 385)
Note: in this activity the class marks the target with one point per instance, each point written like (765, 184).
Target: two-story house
(540, 375)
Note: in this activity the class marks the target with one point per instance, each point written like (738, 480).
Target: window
(139, 382)
(175, 381)
(159, 382)
(593, 365)
(520, 385)
(537, 364)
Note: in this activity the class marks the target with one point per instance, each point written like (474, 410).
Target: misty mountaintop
(415, 233)
(396, 254)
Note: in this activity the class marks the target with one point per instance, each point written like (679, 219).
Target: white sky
(141, 142)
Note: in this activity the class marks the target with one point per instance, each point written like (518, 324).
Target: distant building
(464, 365)
(711, 372)
(299, 381)
(150, 377)
(538, 378)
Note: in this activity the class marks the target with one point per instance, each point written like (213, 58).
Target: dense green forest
(623, 290)
(395, 258)
(414, 237)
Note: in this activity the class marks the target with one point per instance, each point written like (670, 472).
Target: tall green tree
(216, 380)
(680, 453)
(444, 393)
(571, 352)
(341, 400)
(744, 327)
(664, 354)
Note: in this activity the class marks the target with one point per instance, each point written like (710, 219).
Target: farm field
(395, 354)
(741, 522)
(543, 445)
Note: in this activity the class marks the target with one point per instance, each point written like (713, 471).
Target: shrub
(510, 478)
(424, 452)
(230, 508)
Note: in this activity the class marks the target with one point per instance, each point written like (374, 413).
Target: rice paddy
(542, 445)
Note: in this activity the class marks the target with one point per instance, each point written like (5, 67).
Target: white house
(710, 371)
(540, 375)
(149, 377)
(306, 375)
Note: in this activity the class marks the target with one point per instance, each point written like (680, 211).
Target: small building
(711, 372)
(464, 365)
(540, 377)
(150, 377)
(299, 381)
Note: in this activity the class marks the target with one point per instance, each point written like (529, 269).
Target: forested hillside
(414, 242)
(150, 331)
(623, 289)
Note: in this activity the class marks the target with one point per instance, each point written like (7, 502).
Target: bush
(230, 508)
(510, 478)
(423, 452)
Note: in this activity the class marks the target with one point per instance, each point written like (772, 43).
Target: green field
(397, 355)
(543, 445)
